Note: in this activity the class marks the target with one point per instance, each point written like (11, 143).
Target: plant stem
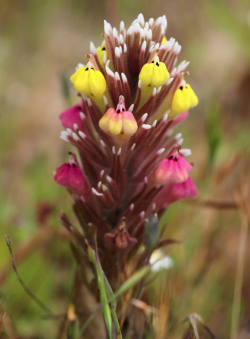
(239, 278)
(116, 322)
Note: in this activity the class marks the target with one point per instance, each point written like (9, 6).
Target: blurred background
(40, 44)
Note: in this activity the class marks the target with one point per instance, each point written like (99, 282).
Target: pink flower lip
(173, 169)
(70, 175)
(71, 115)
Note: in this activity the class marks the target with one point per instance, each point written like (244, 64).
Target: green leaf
(93, 257)
(132, 281)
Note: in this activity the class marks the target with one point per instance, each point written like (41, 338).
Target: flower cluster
(130, 165)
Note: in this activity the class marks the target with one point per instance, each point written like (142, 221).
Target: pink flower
(119, 121)
(173, 169)
(72, 115)
(70, 176)
(175, 192)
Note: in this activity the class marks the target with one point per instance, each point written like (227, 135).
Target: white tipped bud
(140, 19)
(104, 59)
(82, 116)
(124, 78)
(161, 150)
(64, 136)
(75, 137)
(122, 26)
(117, 52)
(146, 126)
(137, 28)
(92, 48)
(151, 22)
(107, 28)
(130, 31)
(165, 118)
(144, 117)
(143, 46)
(102, 143)
(96, 192)
(142, 214)
(130, 109)
(121, 39)
(115, 33)
(82, 135)
(185, 152)
(108, 70)
(75, 127)
(117, 76)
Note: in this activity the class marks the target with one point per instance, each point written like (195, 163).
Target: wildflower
(154, 74)
(173, 169)
(70, 176)
(89, 81)
(71, 116)
(184, 98)
(119, 121)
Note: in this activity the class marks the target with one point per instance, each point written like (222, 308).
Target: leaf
(133, 280)
(93, 257)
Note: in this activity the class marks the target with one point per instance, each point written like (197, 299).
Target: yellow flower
(101, 51)
(118, 121)
(89, 81)
(164, 40)
(153, 74)
(184, 98)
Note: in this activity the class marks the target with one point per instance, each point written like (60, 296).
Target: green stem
(116, 322)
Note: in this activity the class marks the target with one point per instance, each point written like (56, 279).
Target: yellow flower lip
(118, 121)
(101, 51)
(183, 99)
(154, 74)
(89, 81)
